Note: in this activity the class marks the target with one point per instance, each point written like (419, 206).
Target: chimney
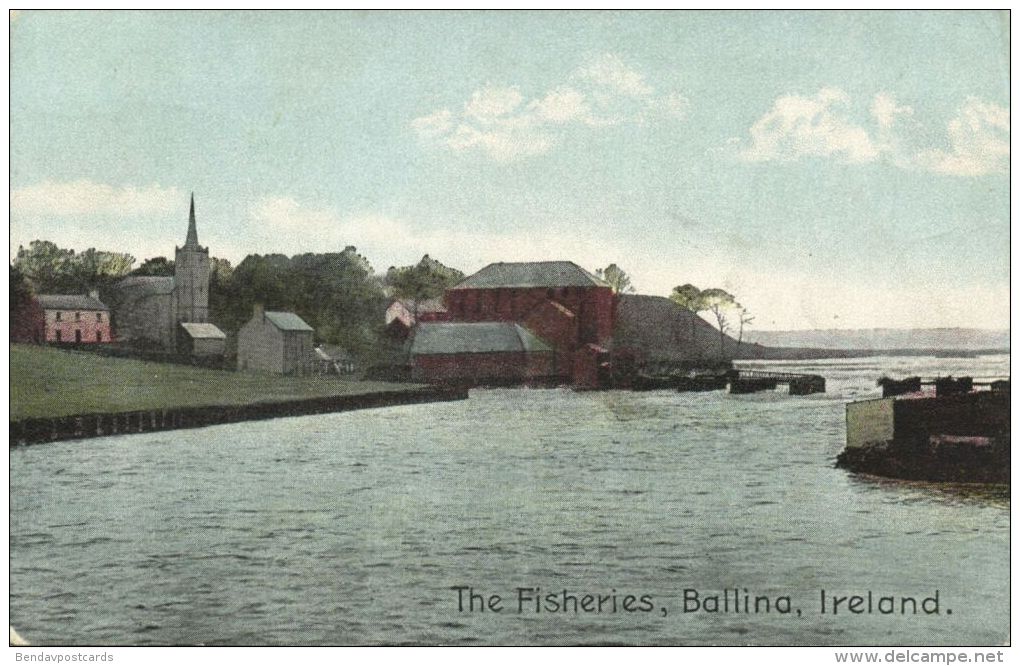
(259, 311)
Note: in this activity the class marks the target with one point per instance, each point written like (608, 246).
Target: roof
(475, 338)
(287, 321)
(70, 302)
(144, 285)
(202, 330)
(191, 242)
(531, 274)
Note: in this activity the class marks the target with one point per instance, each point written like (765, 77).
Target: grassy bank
(48, 382)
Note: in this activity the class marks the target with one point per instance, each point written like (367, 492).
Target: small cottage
(202, 340)
(76, 319)
(278, 342)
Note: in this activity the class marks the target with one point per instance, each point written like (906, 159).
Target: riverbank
(59, 395)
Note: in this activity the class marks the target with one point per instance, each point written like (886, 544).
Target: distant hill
(659, 330)
(968, 339)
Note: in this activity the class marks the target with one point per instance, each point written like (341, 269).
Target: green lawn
(50, 382)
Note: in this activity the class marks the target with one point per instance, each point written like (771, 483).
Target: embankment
(955, 462)
(80, 426)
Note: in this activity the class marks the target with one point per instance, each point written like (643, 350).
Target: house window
(77, 336)
(58, 333)
(99, 316)
(58, 316)
(77, 316)
(99, 336)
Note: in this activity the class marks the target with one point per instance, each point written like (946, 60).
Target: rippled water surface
(353, 528)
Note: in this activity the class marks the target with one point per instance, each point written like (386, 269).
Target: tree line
(339, 294)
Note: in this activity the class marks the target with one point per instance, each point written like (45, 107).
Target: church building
(152, 309)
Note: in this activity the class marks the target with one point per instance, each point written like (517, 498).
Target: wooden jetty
(752, 381)
(738, 381)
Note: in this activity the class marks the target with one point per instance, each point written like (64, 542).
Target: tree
(337, 293)
(341, 297)
(617, 279)
(45, 265)
(54, 270)
(690, 297)
(745, 318)
(158, 266)
(423, 281)
(264, 279)
(687, 296)
(720, 302)
(220, 271)
(98, 269)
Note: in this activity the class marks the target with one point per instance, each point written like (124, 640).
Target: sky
(829, 169)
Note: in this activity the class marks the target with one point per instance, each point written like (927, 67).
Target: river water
(354, 528)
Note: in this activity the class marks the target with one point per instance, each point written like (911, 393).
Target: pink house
(76, 319)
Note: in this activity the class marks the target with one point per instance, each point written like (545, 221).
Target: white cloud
(978, 139)
(435, 124)
(675, 104)
(290, 227)
(562, 105)
(815, 126)
(820, 126)
(609, 71)
(274, 215)
(492, 103)
(500, 122)
(85, 197)
(505, 141)
(83, 213)
(885, 110)
(286, 213)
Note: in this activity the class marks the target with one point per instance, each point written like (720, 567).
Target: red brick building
(480, 353)
(559, 302)
(75, 319)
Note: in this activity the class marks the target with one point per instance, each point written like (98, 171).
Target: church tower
(191, 276)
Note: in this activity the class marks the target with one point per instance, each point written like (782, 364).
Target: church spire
(192, 240)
